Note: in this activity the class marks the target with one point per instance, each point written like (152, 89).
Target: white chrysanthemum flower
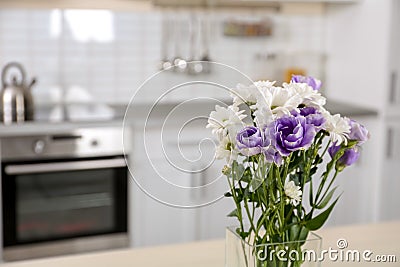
(244, 94)
(280, 100)
(337, 127)
(249, 94)
(275, 102)
(226, 150)
(264, 85)
(310, 97)
(226, 121)
(293, 192)
(262, 116)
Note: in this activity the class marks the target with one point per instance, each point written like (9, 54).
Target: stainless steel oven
(63, 193)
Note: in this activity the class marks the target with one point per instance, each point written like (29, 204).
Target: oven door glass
(59, 203)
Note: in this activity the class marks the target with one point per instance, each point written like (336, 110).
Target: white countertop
(32, 128)
(138, 114)
(383, 239)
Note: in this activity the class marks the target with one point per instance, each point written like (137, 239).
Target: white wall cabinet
(358, 52)
(363, 65)
(390, 200)
(394, 61)
(363, 68)
(361, 182)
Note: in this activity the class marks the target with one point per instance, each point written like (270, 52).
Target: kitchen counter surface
(381, 239)
(41, 127)
(138, 114)
(200, 106)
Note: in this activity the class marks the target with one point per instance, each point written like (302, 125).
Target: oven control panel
(38, 146)
(77, 143)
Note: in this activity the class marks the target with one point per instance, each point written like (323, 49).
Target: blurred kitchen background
(65, 186)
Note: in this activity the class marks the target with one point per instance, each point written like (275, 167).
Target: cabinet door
(346, 70)
(360, 182)
(154, 221)
(390, 197)
(394, 79)
(188, 163)
(212, 218)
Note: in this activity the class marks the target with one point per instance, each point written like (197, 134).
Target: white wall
(51, 47)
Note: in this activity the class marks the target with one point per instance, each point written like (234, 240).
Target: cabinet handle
(393, 85)
(198, 180)
(389, 144)
(203, 177)
(64, 166)
(194, 183)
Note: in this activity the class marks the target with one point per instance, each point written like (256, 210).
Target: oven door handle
(64, 166)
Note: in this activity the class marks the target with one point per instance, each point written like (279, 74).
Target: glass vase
(301, 253)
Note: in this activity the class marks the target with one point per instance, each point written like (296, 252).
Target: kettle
(16, 101)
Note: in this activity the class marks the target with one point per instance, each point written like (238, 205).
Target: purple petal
(311, 81)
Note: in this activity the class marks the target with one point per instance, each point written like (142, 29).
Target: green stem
(329, 186)
(239, 209)
(233, 192)
(322, 184)
(326, 149)
(281, 217)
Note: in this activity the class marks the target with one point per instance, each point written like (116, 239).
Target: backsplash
(110, 54)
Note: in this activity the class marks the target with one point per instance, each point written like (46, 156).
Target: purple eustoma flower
(272, 155)
(250, 141)
(349, 157)
(312, 115)
(314, 83)
(307, 111)
(333, 149)
(291, 133)
(358, 132)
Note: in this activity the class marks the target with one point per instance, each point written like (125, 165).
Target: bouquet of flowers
(274, 139)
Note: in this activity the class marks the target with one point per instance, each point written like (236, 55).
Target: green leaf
(256, 182)
(351, 143)
(234, 213)
(246, 193)
(239, 194)
(228, 194)
(243, 235)
(246, 175)
(318, 160)
(295, 177)
(297, 159)
(313, 171)
(298, 232)
(276, 238)
(326, 200)
(237, 171)
(303, 233)
(317, 222)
